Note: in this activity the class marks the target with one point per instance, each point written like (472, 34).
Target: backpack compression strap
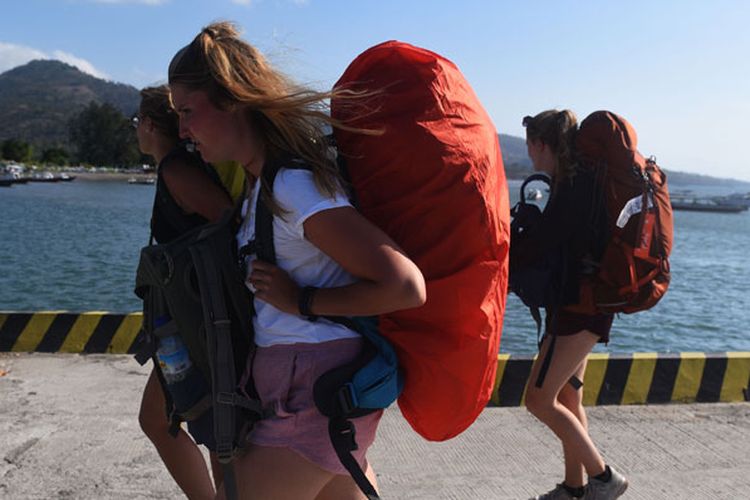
(220, 353)
(221, 360)
(342, 434)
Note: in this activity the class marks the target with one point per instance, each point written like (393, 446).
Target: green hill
(38, 99)
(515, 157)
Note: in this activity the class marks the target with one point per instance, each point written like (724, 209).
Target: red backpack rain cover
(434, 181)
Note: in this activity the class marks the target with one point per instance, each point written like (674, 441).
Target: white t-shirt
(295, 191)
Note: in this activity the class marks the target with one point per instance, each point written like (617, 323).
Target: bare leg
(180, 454)
(345, 487)
(281, 474)
(542, 402)
(572, 399)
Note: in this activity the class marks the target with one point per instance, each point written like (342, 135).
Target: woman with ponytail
(330, 260)
(188, 194)
(571, 228)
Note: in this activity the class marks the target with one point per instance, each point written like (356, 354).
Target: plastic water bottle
(184, 381)
(172, 354)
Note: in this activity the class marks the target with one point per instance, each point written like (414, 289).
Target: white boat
(142, 180)
(44, 177)
(705, 204)
(736, 199)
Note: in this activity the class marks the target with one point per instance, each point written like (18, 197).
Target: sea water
(74, 246)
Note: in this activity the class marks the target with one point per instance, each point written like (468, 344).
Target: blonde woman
(331, 261)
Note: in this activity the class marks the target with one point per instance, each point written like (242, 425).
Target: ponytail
(556, 129)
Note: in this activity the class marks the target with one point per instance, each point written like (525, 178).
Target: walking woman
(331, 261)
(565, 231)
(188, 194)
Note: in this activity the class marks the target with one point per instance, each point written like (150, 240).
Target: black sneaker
(559, 493)
(599, 490)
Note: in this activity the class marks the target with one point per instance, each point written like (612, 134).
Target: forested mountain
(38, 100)
(515, 158)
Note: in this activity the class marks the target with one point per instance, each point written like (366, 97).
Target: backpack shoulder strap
(264, 246)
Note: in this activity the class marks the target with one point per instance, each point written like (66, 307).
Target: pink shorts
(284, 377)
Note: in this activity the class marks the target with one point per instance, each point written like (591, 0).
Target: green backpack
(192, 289)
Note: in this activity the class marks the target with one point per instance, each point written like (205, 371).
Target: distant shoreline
(108, 176)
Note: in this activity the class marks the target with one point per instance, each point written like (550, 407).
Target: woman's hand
(274, 286)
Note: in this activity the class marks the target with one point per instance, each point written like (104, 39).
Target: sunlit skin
(218, 134)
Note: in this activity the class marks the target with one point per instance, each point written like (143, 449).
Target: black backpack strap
(343, 434)
(230, 482)
(220, 357)
(546, 362)
(219, 347)
(263, 245)
(574, 381)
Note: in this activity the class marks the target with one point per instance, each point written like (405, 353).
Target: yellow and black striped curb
(640, 378)
(51, 331)
(637, 378)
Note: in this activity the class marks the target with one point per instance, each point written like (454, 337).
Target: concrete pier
(68, 430)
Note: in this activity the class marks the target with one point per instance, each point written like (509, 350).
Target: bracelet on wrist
(305, 302)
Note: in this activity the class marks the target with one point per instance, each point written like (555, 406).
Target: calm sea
(74, 246)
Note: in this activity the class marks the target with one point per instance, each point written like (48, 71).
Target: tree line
(99, 135)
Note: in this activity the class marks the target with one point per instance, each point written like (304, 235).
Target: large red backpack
(434, 181)
(634, 271)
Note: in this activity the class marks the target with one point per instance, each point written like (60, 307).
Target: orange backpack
(634, 272)
(434, 181)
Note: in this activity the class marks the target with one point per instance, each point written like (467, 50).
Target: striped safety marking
(50, 331)
(639, 378)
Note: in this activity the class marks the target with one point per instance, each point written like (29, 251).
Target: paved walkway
(68, 430)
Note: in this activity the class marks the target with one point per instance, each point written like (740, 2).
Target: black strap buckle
(226, 398)
(224, 453)
(346, 398)
(348, 435)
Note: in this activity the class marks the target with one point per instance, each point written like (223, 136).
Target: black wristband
(305, 301)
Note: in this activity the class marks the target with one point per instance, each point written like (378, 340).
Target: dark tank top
(168, 219)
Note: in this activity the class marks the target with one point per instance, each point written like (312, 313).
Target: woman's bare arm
(387, 279)
(194, 190)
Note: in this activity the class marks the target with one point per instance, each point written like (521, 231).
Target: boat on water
(738, 199)
(44, 177)
(142, 180)
(10, 176)
(707, 204)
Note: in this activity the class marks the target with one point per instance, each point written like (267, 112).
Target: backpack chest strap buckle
(347, 399)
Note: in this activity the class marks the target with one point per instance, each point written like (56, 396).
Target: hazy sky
(678, 70)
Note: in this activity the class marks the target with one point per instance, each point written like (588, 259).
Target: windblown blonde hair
(556, 129)
(288, 118)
